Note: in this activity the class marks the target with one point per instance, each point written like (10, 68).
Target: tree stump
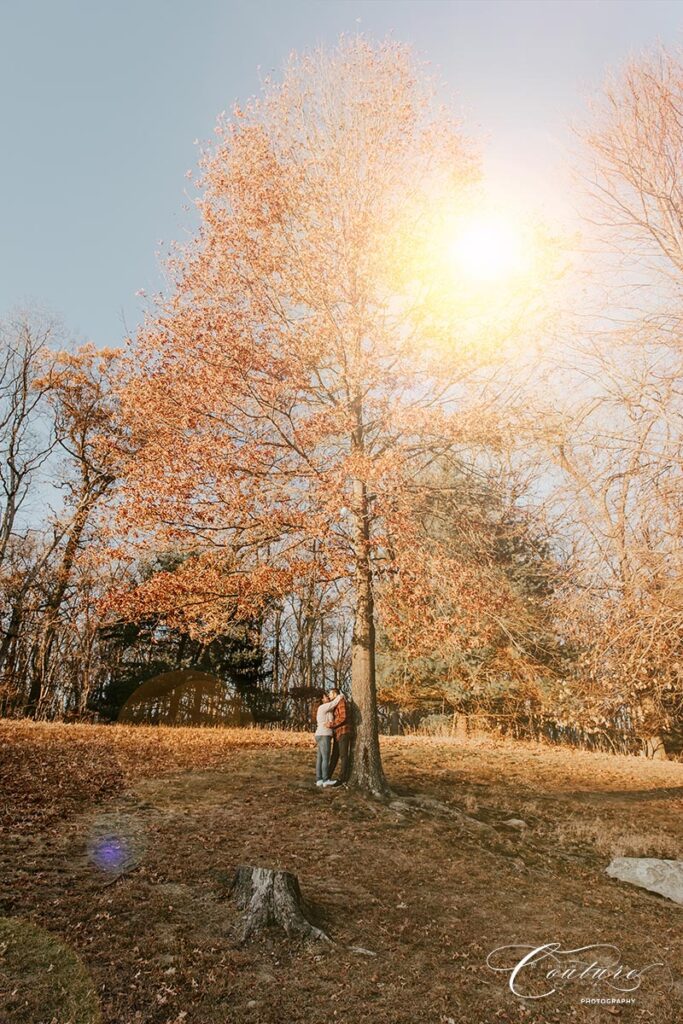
(271, 897)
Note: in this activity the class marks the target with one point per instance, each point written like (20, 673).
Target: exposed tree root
(405, 804)
(428, 804)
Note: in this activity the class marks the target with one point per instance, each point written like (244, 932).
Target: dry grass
(430, 898)
(609, 840)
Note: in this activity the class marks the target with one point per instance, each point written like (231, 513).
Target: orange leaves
(203, 594)
(433, 602)
(283, 372)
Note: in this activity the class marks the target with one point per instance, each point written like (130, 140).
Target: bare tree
(619, 443)
(84, 414)
(620, 453)
(27, 434)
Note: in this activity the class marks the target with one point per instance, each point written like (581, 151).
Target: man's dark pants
(340, 752)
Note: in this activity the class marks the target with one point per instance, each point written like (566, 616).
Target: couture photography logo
(595, 974)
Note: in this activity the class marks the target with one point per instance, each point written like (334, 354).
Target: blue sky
(100, 104)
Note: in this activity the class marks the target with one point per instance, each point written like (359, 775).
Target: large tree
(316, 352)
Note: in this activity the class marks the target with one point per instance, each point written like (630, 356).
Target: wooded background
(530, 581)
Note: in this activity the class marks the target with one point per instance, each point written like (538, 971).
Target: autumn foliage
(330, 447)
(313, 358)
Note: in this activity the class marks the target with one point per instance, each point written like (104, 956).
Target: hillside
(118, 845)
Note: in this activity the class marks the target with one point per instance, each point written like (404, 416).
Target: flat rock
(515, 823)
(661, 876)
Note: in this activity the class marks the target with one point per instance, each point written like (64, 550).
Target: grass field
(118, 845)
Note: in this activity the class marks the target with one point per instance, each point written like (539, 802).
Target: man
(323, 738)
(342, 726)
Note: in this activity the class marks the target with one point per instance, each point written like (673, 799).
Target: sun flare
(488, 248)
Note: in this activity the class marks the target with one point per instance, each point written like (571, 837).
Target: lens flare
(111, 853)
(488, 248)
(117, 842)
(185, 697)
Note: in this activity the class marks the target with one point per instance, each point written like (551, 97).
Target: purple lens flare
(111, 853)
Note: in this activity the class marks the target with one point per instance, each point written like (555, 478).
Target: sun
(487, 248)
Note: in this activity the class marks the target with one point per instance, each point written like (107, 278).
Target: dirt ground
(118, 845)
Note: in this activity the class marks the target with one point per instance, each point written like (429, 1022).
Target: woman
(323, 740)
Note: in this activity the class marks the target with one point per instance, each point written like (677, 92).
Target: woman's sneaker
(320, 782)
(330, 782)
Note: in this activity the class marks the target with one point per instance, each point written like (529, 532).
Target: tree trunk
(271, 897)
(654, 749)
(276, 652)
(197, 705)
(48, 633)
(366, 764)
(650, 726)
(174, 705)
(8, 657)
(12, 632)
(460, 726)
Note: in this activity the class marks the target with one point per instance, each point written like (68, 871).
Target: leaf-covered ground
(118, 845)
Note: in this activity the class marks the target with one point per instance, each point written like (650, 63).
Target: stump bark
(270, 897)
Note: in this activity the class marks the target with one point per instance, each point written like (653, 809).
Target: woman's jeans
(322, 763)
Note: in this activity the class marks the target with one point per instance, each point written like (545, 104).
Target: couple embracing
(333, 739)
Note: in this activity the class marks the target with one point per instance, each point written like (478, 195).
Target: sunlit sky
(101, 104)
